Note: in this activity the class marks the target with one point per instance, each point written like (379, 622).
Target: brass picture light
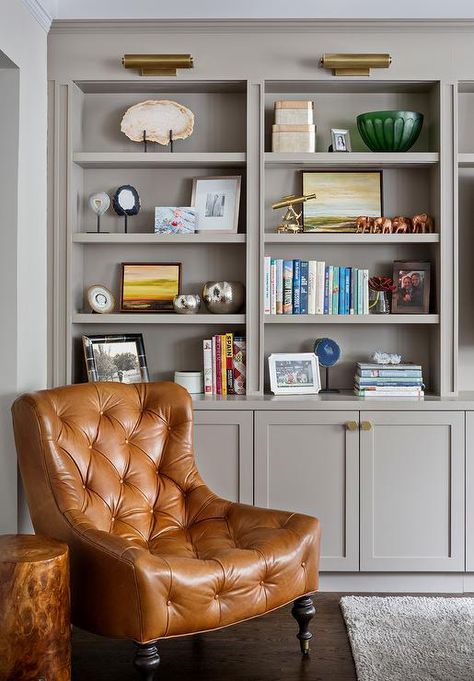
(291, 221)
(157, 64)
(355, 64)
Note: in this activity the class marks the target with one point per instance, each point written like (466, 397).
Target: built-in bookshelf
(233, 137)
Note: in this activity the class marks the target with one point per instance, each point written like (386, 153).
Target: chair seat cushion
(232, 562)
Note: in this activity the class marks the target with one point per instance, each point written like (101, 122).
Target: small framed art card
(294, 373)
(149, 286)
(217, 200)
(175, 220)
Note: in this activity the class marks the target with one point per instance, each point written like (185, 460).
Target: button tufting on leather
(126, 442)
(216, 597)
(90, 446)
(168, 603)
(303, 564)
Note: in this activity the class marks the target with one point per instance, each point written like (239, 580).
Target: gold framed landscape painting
(341, 197)
(149, 287)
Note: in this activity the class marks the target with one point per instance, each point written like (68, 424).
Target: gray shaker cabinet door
(308, 462)
(412, 491)
(469, 491)
(223, 444)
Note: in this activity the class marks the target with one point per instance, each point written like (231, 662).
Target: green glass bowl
(390, 130)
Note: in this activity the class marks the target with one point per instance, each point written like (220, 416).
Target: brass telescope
(291, 221)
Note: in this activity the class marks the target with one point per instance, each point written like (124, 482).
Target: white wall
(261, 9)
(23, 40)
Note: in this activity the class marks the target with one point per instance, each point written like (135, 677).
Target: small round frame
(100, 299)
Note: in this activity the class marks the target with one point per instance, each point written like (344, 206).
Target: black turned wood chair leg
(303, 611)
(146, 660)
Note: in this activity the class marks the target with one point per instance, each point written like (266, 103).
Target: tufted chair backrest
(115, 457)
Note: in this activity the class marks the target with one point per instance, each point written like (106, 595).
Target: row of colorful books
(389, 380)
(224, 358)
(312, 287)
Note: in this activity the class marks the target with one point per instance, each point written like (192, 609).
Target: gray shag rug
(411, 638)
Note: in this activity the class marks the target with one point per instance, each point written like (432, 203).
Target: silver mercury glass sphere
(223, 297)
(187, 303)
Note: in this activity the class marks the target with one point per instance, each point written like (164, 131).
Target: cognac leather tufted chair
(109, 469)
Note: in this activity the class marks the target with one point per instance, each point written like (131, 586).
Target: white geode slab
(158, 117)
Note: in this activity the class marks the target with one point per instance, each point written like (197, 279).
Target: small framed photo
(149, 287)
(115, 358)
(294, 373)
(175, 220)
(412, 279)
(340, 139)
(217, 201)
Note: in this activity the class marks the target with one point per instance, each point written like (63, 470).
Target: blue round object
(327, 351)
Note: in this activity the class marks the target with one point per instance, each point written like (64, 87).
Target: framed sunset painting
(149, 287)
(341, 197)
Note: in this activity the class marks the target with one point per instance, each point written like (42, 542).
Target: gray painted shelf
(136, 159)
(352, 319)
(162, 239)
(157, 318)
(356, 239)
(355, 159)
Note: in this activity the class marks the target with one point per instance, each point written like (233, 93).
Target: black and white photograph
(115, 358)
(412, 280)
(294, 373)
(216, 201)
(215, 205)
(340, 139)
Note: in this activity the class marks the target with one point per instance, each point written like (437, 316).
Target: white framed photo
(294, 373)
(340, 139)
(217, 200)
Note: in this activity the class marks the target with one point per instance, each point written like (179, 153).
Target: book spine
(218, 366)
(279, 286)
(207, 364)
(388, 373)
(273, 286)
(389, 393)
(266, 285)
(335, 290)
(213, 354)
(393, 389)
(388, 382)
(359, 291)
(326, 290)
(223, 367)
(239, 361)
(288, 287)
(304, 287)
(352, 293)
(313, 284)
(342, 288)
(347, 291)
(320, 279)
(229, 354)
(365, 292)
(296, 286)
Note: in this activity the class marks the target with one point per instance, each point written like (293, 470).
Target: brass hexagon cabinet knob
(366, 425)
(351, 425)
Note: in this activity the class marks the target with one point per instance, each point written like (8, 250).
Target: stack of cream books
(388, 380)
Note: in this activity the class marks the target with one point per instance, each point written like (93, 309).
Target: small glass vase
(379, 302)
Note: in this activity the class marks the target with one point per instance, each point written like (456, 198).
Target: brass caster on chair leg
(303, 611)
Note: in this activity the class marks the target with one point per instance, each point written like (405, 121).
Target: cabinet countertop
(343, 401)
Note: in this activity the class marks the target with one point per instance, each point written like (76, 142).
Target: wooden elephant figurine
(382, 225)
(401, 225)
(422, 223)
(365, 224)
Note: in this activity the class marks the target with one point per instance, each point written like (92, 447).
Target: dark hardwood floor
(264, 649)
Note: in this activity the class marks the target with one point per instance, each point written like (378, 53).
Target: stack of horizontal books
(388, 380)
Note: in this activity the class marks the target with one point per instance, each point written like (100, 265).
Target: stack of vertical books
(312, 287)
(224, 358)
(388, 380)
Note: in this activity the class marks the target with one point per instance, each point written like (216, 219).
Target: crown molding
(37, 9)
(256, 25)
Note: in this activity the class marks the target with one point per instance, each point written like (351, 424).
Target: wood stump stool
(35, 636)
